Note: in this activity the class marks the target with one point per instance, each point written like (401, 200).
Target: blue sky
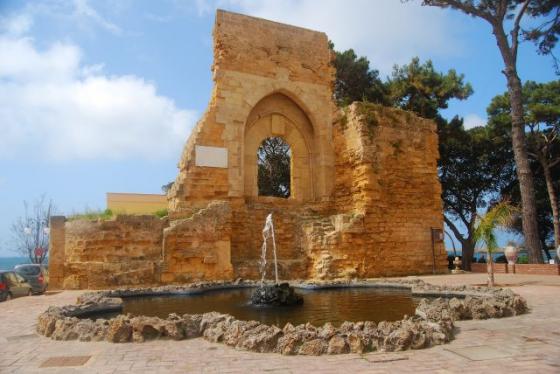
(99, 96)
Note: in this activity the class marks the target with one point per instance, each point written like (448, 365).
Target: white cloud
(473, 120)
(17, 25)
(53, 106)
(387, 31)
(82, 9)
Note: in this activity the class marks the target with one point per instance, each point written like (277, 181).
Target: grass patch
(368, 113)
(93, 215)
(344, 121)
(161, 213)
(108, 214)
(397, 147)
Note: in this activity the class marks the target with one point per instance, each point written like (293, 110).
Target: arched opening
(277, 116)
(274, 163)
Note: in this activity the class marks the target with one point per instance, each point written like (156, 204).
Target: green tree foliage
(505, 19)
(415, 86)
(166, 187)
(475, 166)
(541, 103)
(356, 81)
(421, 89)
(544, 34)
(274, 162)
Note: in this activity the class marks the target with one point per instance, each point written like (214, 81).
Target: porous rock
(64, 329)
(262, 338)
(146, 328)
(314, 347)
(337, 345)
(120, 330)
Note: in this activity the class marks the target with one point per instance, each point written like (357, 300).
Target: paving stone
(481, 352)
(531, 340)
(61, 361)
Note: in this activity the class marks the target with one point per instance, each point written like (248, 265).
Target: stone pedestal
(277, 295)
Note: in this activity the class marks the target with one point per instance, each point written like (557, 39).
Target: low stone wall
(540, 269)
(483, 268)
(98, 254)
(432, 324)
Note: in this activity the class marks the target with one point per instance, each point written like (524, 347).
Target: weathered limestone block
(199, 247)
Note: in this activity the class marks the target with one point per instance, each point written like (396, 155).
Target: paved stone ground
(523, 344)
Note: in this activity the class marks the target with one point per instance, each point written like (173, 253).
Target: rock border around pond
(432, 325)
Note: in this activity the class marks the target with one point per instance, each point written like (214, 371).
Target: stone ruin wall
(254, 59)
(365, 188)
(198, 247)
(386, 200)
(387, 196)
(100, 254)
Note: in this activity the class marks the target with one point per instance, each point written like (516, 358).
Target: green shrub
(161, 213)
(368, 113)
(93, 215)
(523, 259)
(344, 121)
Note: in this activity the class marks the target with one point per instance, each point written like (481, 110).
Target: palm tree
(500, 215)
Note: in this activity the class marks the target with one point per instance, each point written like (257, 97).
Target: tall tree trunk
(467, 244)
(524, 174)
(553, 203)
(490, 270)
(467, 248)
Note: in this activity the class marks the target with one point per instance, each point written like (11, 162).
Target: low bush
(93, 215)
(161, 213)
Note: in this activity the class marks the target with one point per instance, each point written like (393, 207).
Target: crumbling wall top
(271, 49)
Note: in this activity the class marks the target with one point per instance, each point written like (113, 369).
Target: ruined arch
(277, 115)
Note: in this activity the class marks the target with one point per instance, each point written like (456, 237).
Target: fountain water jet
(279, 293)
(268, 232)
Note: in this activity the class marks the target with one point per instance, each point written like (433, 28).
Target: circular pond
(334, 305)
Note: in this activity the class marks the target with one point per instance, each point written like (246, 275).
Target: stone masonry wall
(253, 59)
(105, 254)
(198, 247)
(386, 202)
(57, 255)
(289, 217)
(387, 195)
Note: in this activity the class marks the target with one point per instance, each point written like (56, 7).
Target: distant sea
(8, 263)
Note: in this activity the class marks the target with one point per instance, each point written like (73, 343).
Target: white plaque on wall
(214, 157)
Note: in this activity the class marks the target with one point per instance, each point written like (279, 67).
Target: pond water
(334, 305)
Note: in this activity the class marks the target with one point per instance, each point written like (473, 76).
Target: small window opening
(274, 164)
